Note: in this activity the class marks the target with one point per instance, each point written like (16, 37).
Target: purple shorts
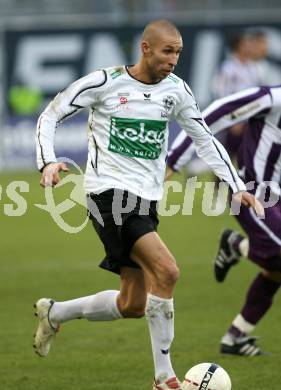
(264, 236)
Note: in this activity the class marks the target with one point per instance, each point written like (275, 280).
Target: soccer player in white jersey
(259, 160)
(129, 110)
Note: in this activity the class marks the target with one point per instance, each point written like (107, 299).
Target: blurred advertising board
(39, 63)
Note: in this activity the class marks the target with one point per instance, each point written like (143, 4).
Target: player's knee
(169, 275)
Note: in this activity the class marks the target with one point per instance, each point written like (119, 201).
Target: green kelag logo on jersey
(141, 138)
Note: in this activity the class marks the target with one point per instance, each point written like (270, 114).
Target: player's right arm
(81, 94)
(221, 114)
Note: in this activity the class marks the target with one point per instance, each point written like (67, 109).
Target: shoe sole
(34, 335)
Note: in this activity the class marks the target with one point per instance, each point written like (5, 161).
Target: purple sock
(235, 331)
(259, 298)
(258, 301)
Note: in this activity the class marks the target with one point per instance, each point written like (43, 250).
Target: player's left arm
(212, 151)
(236, 108)
(221, 114)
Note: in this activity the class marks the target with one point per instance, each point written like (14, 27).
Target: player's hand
(50, 175)
(249, 200)
(169, 173)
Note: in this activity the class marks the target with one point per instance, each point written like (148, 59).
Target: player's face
(260, 45)
(163, 56)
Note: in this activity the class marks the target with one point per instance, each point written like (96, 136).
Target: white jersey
(128, 131)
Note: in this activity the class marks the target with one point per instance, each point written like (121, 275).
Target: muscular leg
(152, 255)
(131, 300)
(106, 305)
(258, 301)
(159, 266)
(158, 274)
(260, 296)
(265, 285)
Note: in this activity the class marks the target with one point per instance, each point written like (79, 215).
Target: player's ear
(145, 48)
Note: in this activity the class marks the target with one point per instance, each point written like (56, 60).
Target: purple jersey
(260, 152)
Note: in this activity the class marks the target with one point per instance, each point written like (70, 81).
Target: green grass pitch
(38, 259)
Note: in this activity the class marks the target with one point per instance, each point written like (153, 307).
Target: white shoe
(45, 332)
(172, 383)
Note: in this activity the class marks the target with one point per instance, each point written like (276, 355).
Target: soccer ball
(206, 376)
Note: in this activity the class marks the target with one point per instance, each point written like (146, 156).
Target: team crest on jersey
(169, 103)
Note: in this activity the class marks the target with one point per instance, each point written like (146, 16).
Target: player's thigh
(133, 288)
(152, 255)
(264, 236)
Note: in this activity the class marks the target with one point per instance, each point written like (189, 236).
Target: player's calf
(131, 309)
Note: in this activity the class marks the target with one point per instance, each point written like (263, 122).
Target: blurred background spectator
(267, 71)
(239, 70)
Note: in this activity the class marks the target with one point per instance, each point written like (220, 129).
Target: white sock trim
(159, 299)
(244, 247)
(115, 308)
(243, 325)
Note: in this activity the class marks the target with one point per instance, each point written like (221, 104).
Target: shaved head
(154, 30)
(161, 46)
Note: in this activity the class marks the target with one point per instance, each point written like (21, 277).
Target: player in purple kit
(242, 68)
(259, 160)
